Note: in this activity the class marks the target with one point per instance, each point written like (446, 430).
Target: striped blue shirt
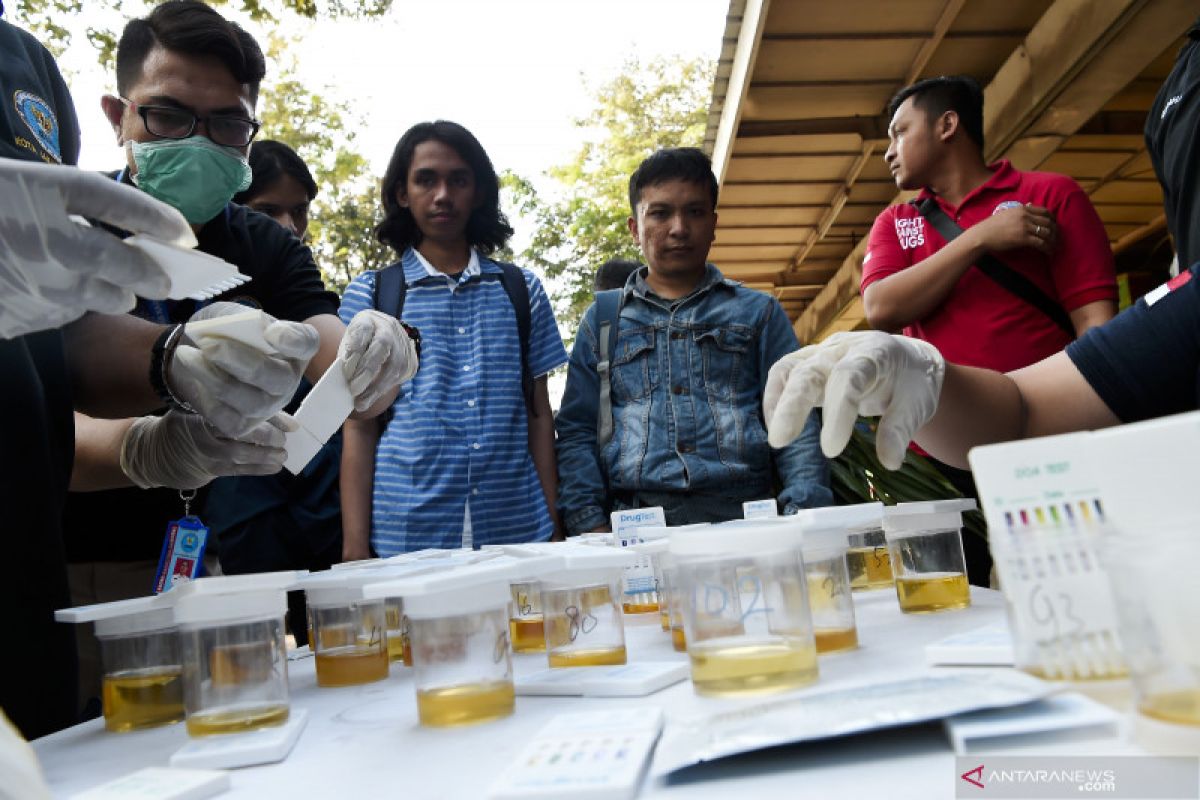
(459, 433)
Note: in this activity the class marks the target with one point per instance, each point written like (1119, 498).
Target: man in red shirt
(1041, 225)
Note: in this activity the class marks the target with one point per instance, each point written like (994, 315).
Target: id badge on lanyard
(182, 557)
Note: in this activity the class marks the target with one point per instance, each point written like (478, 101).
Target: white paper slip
(299, 653)
(301, 447)
(815, 715)
(192, 273)
(989, 646)
(1065, 716)
(161, 783)
(230, 750)
(598, 755)
(759, 509)
(623, 680)
(326, 407)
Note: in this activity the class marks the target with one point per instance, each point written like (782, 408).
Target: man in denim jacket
(687, 373)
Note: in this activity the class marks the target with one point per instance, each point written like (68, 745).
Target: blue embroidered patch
(40, 120)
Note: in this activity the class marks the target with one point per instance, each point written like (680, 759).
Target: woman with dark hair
(282, 187)
(467, 457)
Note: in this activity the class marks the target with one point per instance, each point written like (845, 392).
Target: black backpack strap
(390, 290)
(513, 281)
(996, 269)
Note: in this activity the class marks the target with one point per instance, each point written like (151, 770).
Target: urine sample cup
(233, 652)
(583, 617)
(868, 561)
(671, 597)
(349, 632)
(1158, 603)
(142, 684)
(525, 625)
(744, 597)
(462, 665)
(925, 543)
(399, 645)
(829, 593)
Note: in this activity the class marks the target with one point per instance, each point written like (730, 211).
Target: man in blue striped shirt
(464, 460)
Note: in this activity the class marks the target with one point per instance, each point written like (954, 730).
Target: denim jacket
(687, 385)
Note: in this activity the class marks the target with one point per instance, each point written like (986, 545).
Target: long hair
(487, 227)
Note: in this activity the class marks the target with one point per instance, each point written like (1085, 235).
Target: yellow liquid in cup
(664, 619)
(351, 666)
(143, 698)
(236, 720)
(395, 646)
(528, 634)
(639, 608)
(588, 658)
(869, 567)
(1181, 707)
(933, 591)
(830, 640)
(735, 666)
(678, 640)
(466, 704)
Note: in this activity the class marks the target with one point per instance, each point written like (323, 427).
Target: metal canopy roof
(797, 129)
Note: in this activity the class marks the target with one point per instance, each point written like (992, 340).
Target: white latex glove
(376, 356)
(19, 765)
(868, 373)
(235, 386)
(182, 451)
(52, 269)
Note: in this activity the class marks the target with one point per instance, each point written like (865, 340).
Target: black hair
(192, 28)
(487, 227)
(935, 96)
(270, 161)
(674, 163)
(613, 274)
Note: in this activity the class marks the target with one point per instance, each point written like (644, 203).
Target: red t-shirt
(980, 323)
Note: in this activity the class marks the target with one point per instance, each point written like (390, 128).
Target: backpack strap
(513, 281)
(997, 270)
(390, 290)
(608, 311)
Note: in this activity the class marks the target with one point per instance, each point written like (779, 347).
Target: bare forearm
(108, 356)
(98, 454)
(977, 406)
(914, 293)
(541, 449)
(357, 480)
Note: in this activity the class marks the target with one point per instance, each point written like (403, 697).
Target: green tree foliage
(45, 18)
(344, 214)
(582, 222)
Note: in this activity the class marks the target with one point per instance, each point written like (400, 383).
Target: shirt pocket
(634, 367)
(723, 351)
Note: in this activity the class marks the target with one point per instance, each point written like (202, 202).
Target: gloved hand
(52, 269)
(235, 386)
(376, 355)
(182, 451)
(866, 373)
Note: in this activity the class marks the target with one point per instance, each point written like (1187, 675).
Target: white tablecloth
(365, 741)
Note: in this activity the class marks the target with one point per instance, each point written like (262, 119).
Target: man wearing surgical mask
(184, 114)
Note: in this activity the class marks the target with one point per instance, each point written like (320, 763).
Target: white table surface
(365, 742)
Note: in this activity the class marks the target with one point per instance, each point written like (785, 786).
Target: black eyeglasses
(170, 122)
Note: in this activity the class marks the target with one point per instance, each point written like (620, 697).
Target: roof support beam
(749, 38)
(945, 20)
(835, 208)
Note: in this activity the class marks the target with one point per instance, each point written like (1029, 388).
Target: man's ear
(948, 124)
(402, 196)
(114, 111)
(633, 230)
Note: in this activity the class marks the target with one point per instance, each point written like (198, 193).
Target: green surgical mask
(195, 175)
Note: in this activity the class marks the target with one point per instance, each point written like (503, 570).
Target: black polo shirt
(37, 433)
(1172, 128)
(1145, 362)
(129, 524)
